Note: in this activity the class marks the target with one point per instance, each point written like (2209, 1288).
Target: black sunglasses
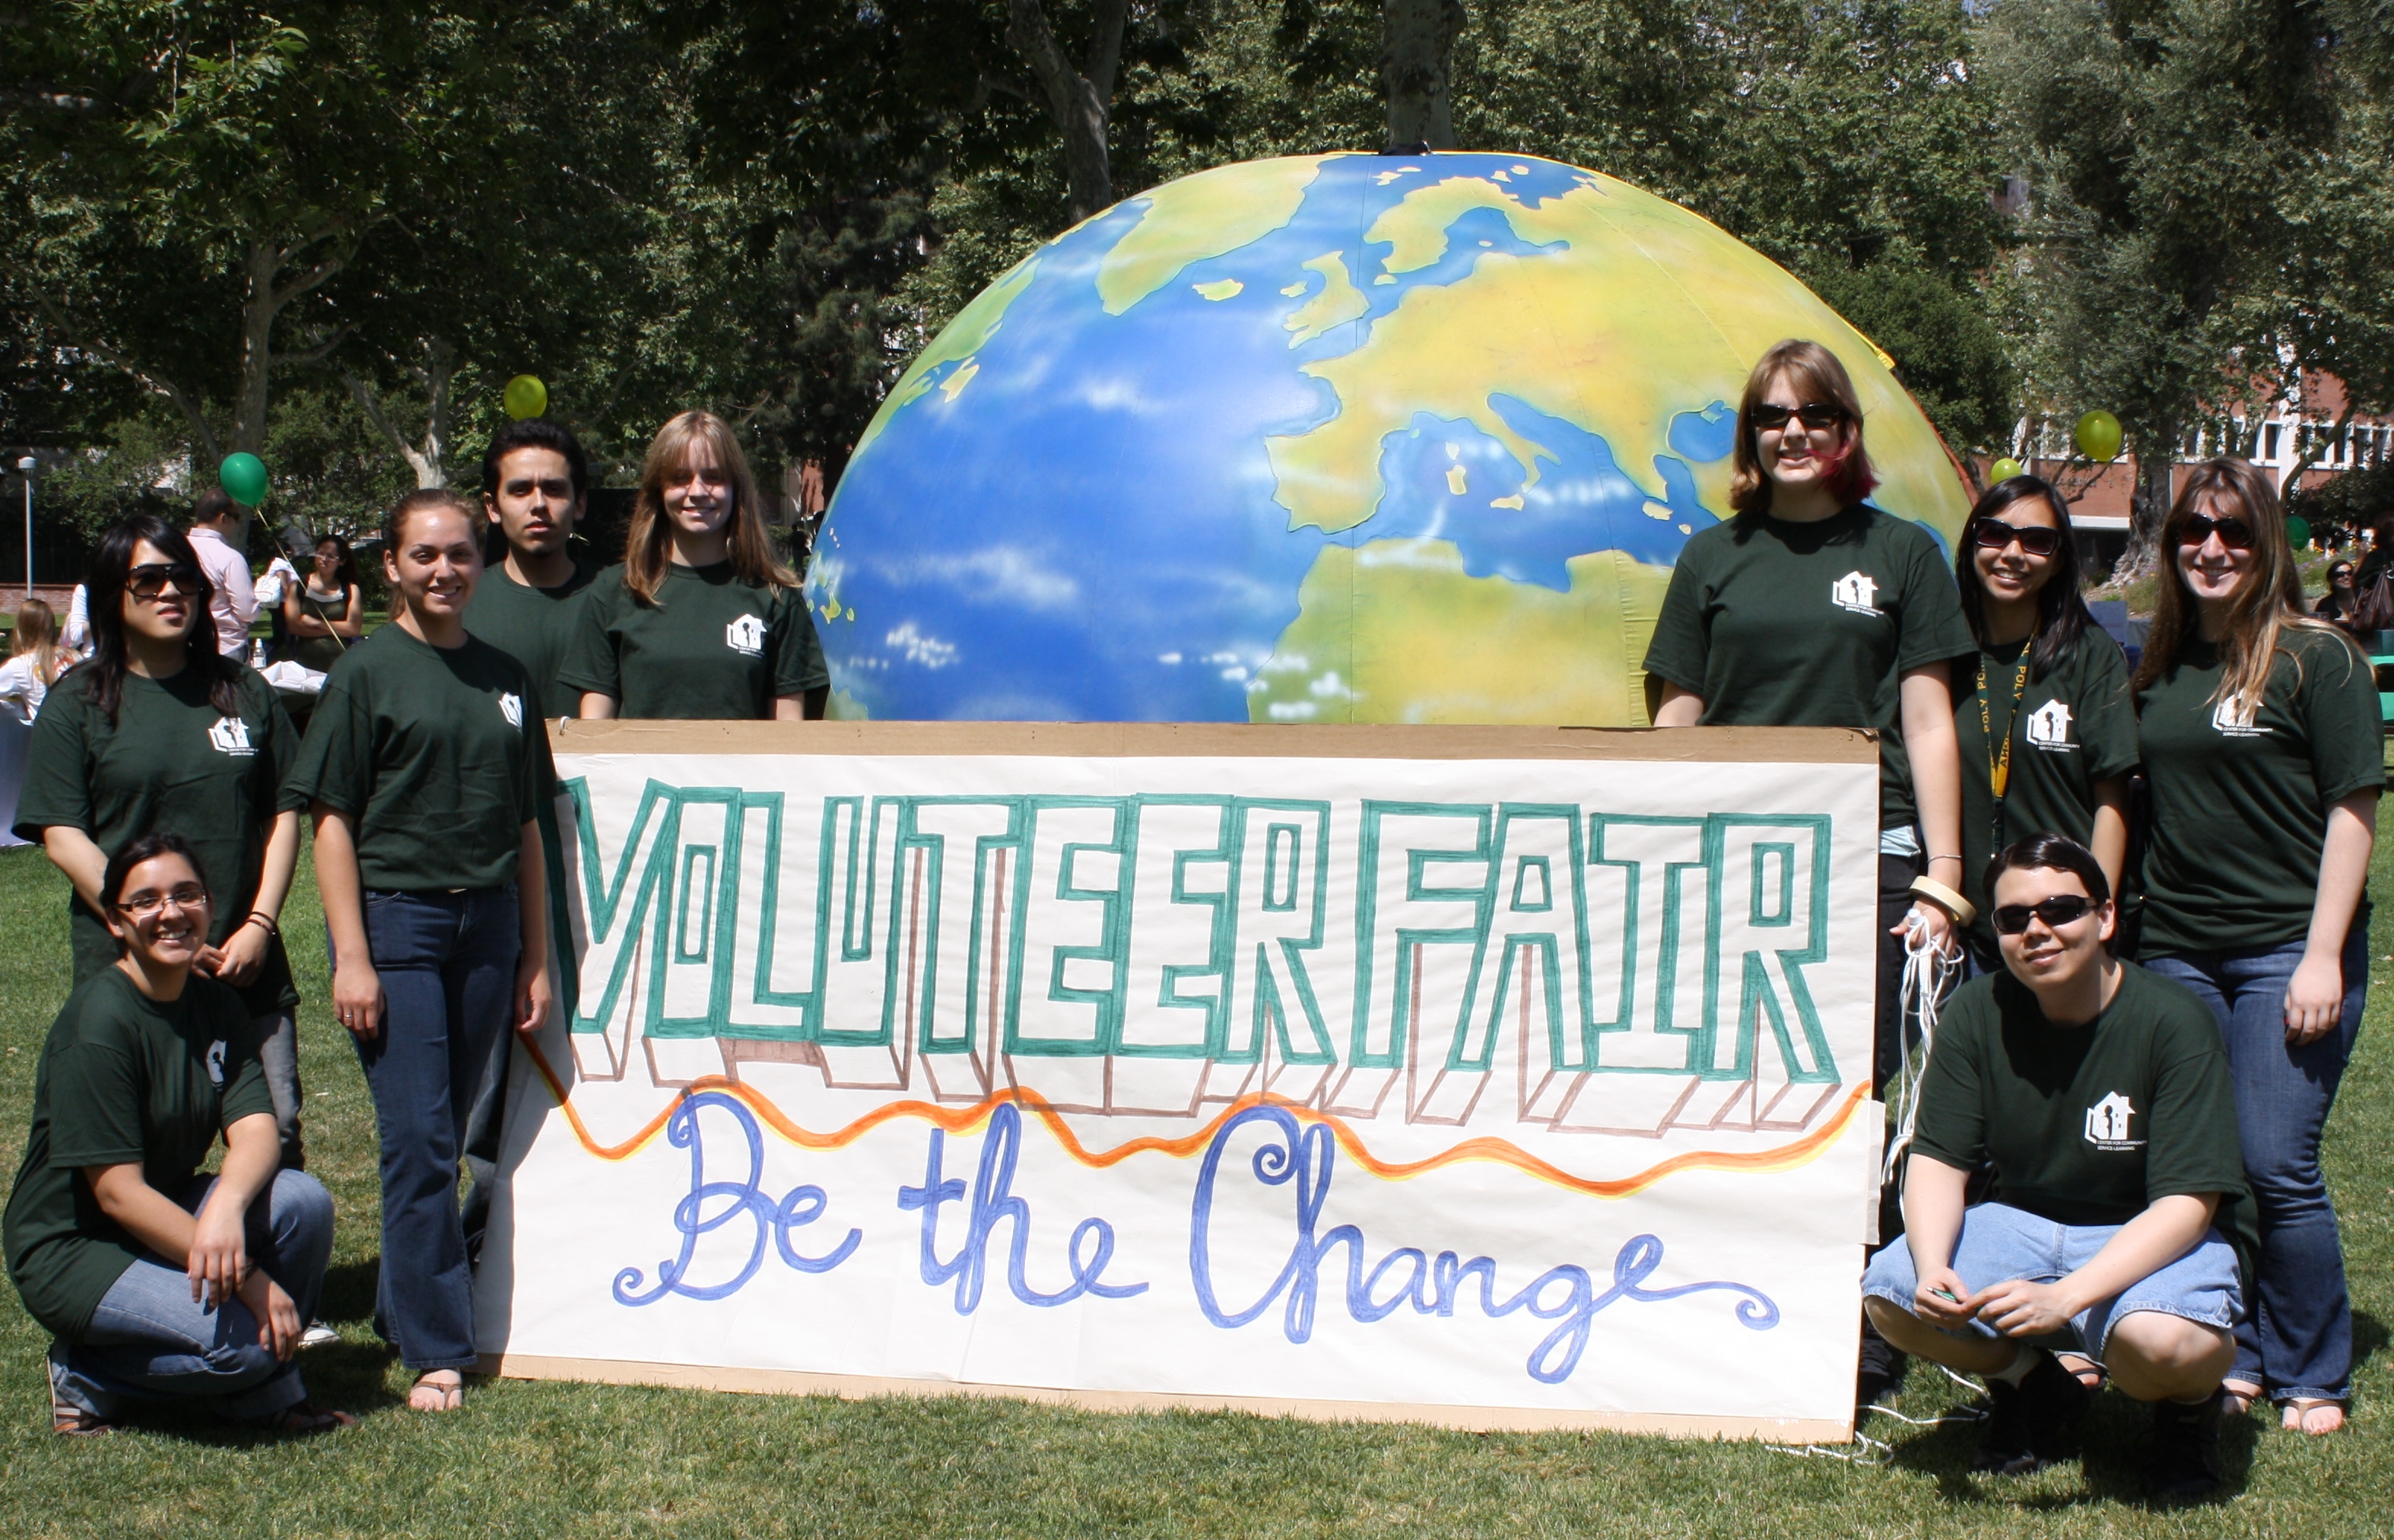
(2235, 534)
(2056, 912)
(2035, 539)
(1812, 414)
(150, 580)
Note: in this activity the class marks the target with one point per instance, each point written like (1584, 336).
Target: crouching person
(2118, 1224)
(158, 1282)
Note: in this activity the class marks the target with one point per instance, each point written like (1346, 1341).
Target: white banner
(1499, 1077)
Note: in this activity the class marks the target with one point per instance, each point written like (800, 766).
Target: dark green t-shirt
(122, 1078)
(435, 752)
(1780, 625)
(2240, 806)
(711, 649)
(535, 626)
(170, 760)
(2087, 1124)
(2073, 728)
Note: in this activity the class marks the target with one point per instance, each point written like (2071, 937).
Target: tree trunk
(1080, 102)
(267, 299)
(427, 457)
(2156, 484)
(1416, 37)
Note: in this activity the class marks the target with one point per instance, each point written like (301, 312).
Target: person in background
(528, 606)
(326, 612)
(75, 635)
(2046, 726)
(702, 621)
(158, 1281)
(35, 661)
(2120, 1219)
(158, 731)
(2264, 752)
(281, 579)
(423, 769)
(217, 522)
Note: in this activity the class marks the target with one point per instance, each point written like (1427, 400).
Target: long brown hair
(648, 550)
(1818, 377)
(2262, 611)
(37, 635)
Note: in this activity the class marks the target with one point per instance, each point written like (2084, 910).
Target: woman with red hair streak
(1811, 608)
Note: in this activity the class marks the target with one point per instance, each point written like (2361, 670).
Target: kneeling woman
(2119, 1218)
(160, 1283)
(701, 622)
(422, 770)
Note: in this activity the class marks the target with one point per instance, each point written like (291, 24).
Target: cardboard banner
(1499, 1077)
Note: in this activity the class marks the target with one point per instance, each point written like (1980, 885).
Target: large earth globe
(1342, 437)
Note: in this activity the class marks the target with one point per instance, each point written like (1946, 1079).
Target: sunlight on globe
(1329, 438)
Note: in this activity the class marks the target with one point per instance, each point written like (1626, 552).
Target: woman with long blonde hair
(35, 661)
(2260, 727)
(702, 621)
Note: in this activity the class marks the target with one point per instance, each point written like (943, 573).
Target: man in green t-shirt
(535, 485)
(2120, 1222)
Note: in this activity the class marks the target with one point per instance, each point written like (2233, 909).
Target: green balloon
(2098, 436)
(2298, 530)
(243, 479)
(2004, 470)
(524, 396)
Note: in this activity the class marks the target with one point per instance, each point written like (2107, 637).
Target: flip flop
(68, 1418)
(2307, 1414)
(2236, 1398)
(432, 1395)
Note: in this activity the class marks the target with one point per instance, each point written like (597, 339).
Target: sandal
(74, 1421)
(437, 1395)
(2312, 1415)
(2089, 1372)
(2236, 1398)
(303, 1420)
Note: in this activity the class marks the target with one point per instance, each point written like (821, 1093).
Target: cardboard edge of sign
(1470, 1419)
(1182, 739)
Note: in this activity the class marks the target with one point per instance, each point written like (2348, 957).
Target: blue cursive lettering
(802, 1206)
(1307, 1155)
(992, 1202)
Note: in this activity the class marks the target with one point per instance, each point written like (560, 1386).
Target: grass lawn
(552, 1459)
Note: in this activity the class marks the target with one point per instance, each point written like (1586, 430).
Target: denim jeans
(150, 1340)
(448, 966)
(278, 1054)
(2295, 1336)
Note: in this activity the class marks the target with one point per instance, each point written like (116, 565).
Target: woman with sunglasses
(1811, 608)
(2262, 745)
(158, 1281)
(702, 621)
(2337, 604)
(160, 730)
(423, 769)
(2046, 726)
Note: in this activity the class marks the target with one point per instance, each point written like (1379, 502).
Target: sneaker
(2029, 1424)
(1881, 1370)
(2182, 1466)
(318, 1335)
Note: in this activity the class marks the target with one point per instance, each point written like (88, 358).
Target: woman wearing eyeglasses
(160, 730)
(159, 1281)
(1812, 609)
(423, 769)
(2046, 726)
(2262, 745)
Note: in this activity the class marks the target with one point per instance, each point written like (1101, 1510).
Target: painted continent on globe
(1331, 438)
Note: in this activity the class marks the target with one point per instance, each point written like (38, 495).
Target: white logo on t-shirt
(511, 707)
(2233, 719)
(216, 1063)
(1855, 591)
(230, 735)
(745, 635)
(2107, 1123)
(2048, 727)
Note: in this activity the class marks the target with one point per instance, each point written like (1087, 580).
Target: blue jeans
(1999, 1242)
(150, 1340)
(2295, 1336)
(448, 966)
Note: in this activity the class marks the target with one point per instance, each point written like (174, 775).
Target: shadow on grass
(2369, 1337)
(350, 1291)
(2110, 1450)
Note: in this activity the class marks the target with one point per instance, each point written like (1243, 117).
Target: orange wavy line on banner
(963, 1119)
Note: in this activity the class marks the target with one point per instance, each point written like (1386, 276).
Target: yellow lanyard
(1999, 760)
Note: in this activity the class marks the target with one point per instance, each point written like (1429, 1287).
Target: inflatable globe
(1331, 438)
